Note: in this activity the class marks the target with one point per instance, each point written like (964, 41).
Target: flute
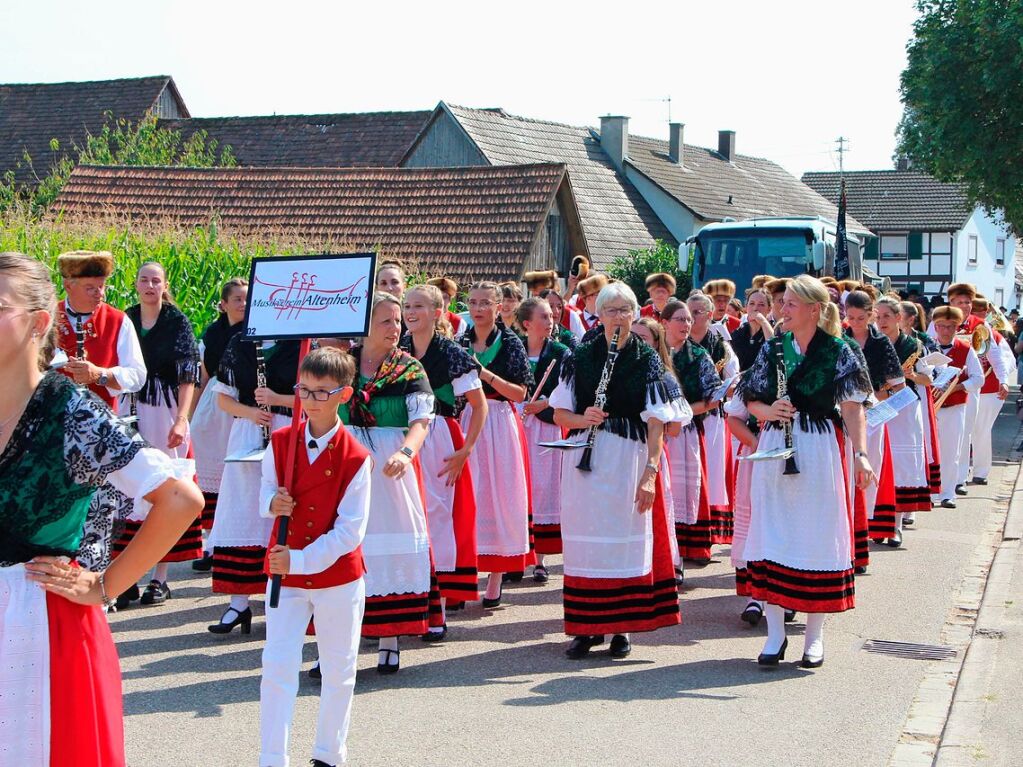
(783, 393)
(600, 398)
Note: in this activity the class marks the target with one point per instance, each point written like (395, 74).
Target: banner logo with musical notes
(312, 296)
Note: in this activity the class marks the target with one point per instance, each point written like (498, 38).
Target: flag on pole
(841, 243)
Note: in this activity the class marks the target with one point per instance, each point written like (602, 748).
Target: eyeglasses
(616, 311)
(317, 394)
(92, 290)
(481, 304)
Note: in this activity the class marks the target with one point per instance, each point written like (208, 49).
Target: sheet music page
(880, 414)
(902, 398)
(936, 359)
(719, 393)
(944, 376)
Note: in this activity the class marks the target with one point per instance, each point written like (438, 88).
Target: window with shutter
(916, 245)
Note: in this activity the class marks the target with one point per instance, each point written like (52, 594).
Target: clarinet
(783, 393)
(261, 384)
(79, 338)
(600, 399)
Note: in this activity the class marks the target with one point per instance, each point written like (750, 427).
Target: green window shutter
(916, 246)
(873, 248)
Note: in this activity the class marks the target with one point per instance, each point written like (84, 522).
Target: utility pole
(842, 149)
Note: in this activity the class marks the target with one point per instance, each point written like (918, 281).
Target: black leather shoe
(540, 574)
(315, 672)
(961, 490)
(319, 763)
(908, 521)
(390, 668)
(512, 577)
(753, 613)
(203, 565)
(453, 607)
(790, 615)
(620, 646)
(156, 593)
(131, 594)
(771, 659)
(243, 619)
(492, 603)
(435, 636)
(895, 539)
(809, 662)
(948, 503)
(580, 647)
(979, 481)
(860, 569)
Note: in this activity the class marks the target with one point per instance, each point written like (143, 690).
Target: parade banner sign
(314, 296)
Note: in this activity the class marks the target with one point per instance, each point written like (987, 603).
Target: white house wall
(678, 219)
(989, 277)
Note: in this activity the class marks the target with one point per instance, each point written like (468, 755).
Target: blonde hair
(436, 298)
(810, 290)
(660, 339)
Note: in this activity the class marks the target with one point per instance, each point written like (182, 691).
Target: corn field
(198, 260)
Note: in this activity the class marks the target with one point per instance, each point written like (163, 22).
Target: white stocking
(813, 645)
(775, 629)
(240, 602)
(388, 643)
(160, 572)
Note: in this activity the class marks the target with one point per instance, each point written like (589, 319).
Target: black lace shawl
(64, 446)
(510, 363)
(170, 352)
(638, 376)
(238, 369)
(552, 356)
(444, 361)
(882, 361)
(746, 345)
(906, 347)
(715, 345)
(696, 374)
(215, 339)
(830, 373)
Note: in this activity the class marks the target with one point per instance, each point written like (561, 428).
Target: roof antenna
(841, 141)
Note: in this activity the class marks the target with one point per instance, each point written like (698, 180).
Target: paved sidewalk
(501, 692)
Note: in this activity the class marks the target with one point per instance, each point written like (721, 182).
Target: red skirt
(209, 510)
(624, 605)
(462, 583)
(886, 504)
(722, 518)
(187, 548)
(694, 541)
(934, 467)
(239, 570)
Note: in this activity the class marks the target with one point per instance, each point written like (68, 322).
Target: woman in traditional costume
(750, 336)
(447, 480)
(255, 385)
(911, 319)
(449, 290)
(716, 437)
(545, 359)
(391, 411)
(210, 425)
(568, 330)
(906, 434)
(500, 462)
(886, 378)
(687, 452)
(616, 530)
(58, 444)
(162, 407)
(800, 544)
(511, 297)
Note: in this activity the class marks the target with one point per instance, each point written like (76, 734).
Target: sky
(789, 76)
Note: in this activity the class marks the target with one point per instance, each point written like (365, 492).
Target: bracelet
(654, 467)
(108, 603)
(407, 451)
(860, 454)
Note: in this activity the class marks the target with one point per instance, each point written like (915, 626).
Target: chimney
(675, 145)
(903, 163)
(726, 144)
(614, 139)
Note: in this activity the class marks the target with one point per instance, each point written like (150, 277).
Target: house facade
(928, 236)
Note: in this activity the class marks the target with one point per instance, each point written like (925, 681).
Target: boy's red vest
(317, 489)
(101, 331)
(959, 351)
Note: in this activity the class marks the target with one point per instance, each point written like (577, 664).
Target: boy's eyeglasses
(317, 394)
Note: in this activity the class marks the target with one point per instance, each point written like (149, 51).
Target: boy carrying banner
(322, 563)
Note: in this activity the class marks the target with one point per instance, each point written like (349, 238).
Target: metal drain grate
(910, 650)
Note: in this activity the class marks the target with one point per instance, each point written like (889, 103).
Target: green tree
(962, 92)
(633, 269)
(120, 142)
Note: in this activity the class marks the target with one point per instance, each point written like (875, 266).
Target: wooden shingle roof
(898, 200)
(714, 189)
(31, 115)
(365, 140)
(615, 217)
(467, 223)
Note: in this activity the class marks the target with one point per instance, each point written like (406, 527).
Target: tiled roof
(886, 200)
(368, 140)
(468, 223)
(33, 114)
(714, 188)
(615, 217)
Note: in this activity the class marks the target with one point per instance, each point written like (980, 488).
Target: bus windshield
(741, 254)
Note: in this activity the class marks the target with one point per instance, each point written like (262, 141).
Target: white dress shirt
(130, 371)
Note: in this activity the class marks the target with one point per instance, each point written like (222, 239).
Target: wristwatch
(407, 451)
(104, 378)
(654, 467)
(860, 454)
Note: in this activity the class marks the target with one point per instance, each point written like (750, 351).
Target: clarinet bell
(790, 465)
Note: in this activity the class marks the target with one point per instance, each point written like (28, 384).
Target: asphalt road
(500, 691)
